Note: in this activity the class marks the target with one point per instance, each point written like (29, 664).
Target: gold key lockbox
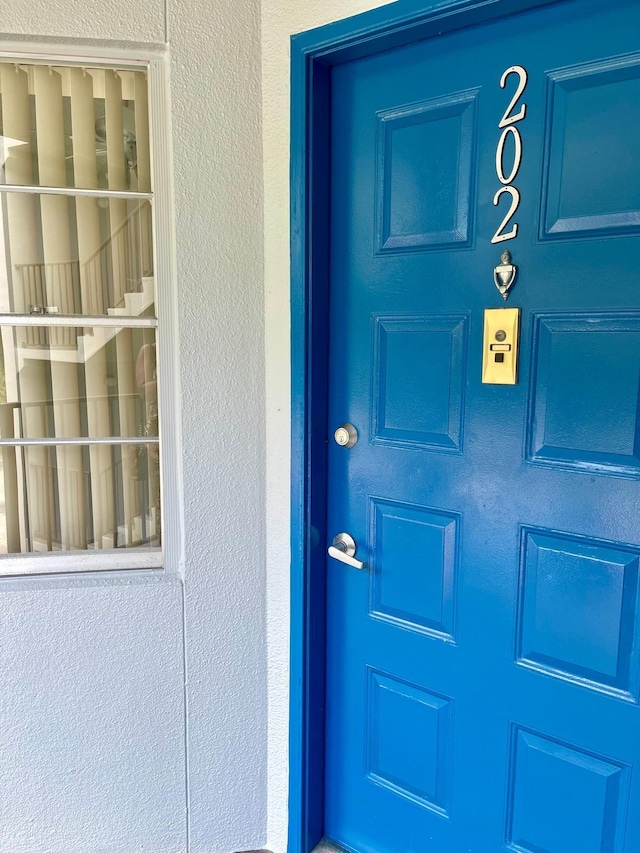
(500, 346)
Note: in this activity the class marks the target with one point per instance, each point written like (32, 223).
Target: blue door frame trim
(313, 54)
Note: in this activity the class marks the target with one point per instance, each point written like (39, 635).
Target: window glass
(79, 433)
(67, 498)
(73, 382)
(66, 255)
(74, 127)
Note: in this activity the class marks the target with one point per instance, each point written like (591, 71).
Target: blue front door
(483, 668)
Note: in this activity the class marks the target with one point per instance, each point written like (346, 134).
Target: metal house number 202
(508, 122)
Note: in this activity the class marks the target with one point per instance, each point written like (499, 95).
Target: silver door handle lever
(343, 548)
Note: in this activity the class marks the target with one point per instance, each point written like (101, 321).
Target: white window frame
(170, 556)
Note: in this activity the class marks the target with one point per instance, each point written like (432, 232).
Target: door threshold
(329, 846)
(325, 847)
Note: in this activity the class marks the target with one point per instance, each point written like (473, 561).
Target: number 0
(517, 157)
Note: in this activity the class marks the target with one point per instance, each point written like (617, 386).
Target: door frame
(313, 54)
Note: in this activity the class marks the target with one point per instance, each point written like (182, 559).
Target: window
(80, 470)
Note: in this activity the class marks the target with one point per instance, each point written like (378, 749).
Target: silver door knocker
(505, 274)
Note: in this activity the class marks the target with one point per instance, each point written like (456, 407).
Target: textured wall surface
(218, 189)
(92, 748)
(91, 703)
(280, 19)
(109, 19)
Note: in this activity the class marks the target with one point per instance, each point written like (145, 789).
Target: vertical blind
(78, 391)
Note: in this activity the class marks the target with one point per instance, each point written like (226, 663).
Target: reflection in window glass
(66, 382)
(62, 382)
(74, 127)
(79, 451)
(67, 498)
(66, 255)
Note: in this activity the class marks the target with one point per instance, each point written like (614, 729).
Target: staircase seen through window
(79, 436)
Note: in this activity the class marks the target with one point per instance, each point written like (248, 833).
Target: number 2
(522, 85)
(498, 237)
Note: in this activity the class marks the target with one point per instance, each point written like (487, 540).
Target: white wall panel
(92, 740)
(142, 20)
(217, 148)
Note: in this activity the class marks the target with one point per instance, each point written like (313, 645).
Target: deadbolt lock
(346, 435)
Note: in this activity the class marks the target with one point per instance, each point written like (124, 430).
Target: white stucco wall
(91, 703)
(92, 748)
(142, 21)
(215, 49)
